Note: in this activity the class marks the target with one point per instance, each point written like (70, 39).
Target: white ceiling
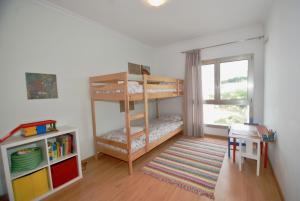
(175, 21)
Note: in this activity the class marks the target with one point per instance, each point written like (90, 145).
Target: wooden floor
(107, 180)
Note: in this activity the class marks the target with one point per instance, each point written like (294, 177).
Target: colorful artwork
(41, 86)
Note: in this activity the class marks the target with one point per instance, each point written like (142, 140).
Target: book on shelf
(60, 146)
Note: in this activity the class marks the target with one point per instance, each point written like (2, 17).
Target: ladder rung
(137, 116)
(138, 134)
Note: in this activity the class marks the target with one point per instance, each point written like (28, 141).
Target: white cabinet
(46, 170)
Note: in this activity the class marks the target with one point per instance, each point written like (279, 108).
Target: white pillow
(171, 117)
(134, 129)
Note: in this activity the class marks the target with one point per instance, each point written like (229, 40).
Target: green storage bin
(26, 159)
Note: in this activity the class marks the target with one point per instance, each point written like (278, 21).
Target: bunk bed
(136, 138)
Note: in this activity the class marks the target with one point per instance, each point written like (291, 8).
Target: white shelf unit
(16, 143)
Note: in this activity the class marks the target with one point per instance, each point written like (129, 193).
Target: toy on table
(35, 128)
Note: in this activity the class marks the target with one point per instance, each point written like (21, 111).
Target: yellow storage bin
(31, 186)
(29, 131)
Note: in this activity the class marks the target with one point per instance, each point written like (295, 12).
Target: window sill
(216, 126)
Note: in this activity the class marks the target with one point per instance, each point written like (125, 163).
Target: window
(208, 77)
(227, 86)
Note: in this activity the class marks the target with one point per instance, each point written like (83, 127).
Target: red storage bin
(64, 171)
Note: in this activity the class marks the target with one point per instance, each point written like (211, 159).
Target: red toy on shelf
(34, 128)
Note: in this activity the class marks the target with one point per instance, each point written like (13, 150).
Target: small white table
(247, 134)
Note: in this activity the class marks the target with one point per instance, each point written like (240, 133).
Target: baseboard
(84, 162)
(88, 159)
(276, 181)
(215, 136)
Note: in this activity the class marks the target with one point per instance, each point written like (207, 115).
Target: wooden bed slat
(157, 78)
(161, 86)
(109, 78)
(111, 142)
(162, 95)
(137, 116)
(108, 97)
(136, 97)
(137, 135)
(113, 153)
(108, 87)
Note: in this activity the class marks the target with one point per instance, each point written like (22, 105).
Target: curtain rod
(223, 44)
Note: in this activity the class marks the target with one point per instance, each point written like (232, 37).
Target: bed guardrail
(115, 77)
(108, 87)
(113, 87)
(169, 87)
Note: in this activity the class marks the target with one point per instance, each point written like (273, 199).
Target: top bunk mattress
(157, 129)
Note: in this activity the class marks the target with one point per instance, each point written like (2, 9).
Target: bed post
(183, 112)
(127, 121)
(157, 108)
(146, 112)
(177, 87)
(93, 121)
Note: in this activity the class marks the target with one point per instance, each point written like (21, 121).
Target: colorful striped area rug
(191, 164)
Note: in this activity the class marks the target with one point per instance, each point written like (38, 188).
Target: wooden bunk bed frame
(117, 85)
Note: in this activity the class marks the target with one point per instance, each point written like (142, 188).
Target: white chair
(251, 150)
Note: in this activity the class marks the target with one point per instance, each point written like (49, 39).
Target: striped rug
(191, 164)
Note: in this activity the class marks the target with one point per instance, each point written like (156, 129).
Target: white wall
(282, 98)
(36, 37)
(169, 61)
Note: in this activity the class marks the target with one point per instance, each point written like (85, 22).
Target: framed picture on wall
(138, 69)
(134, 69)
(41, 86)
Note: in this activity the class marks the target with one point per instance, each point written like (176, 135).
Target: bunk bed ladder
(129, 118)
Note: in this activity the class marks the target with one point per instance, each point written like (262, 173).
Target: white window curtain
(193, 104)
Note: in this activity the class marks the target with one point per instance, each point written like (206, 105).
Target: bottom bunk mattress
(157, 129)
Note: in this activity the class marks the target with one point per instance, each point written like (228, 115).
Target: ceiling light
(156, 3)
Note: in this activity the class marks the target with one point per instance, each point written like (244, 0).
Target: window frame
(217, 93)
